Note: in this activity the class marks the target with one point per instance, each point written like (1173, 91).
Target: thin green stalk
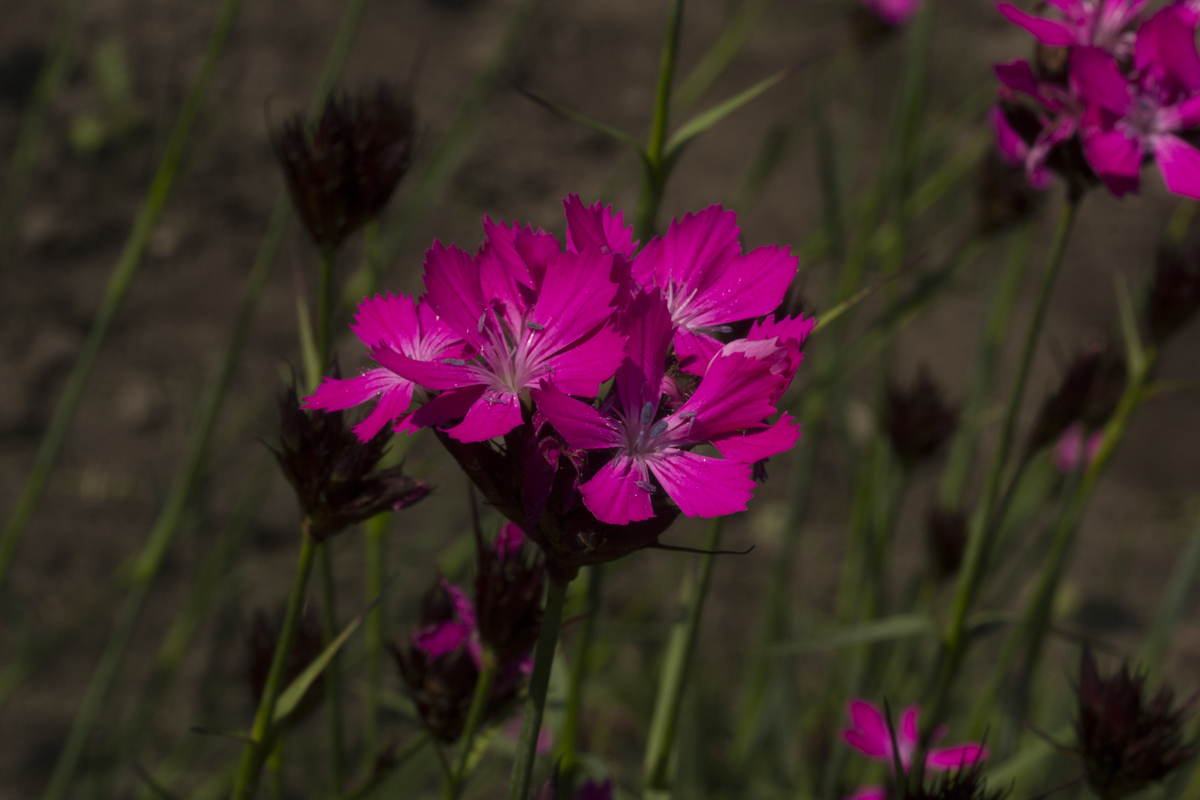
(258, 747)
(325, 310)
(375, 530)
(656, 775)
(654, 176)
(33, 124)
(275, 766)
(984, 523)
(452, 786)
(535, 702)
(995, 333)
(118, 286)
(568, 743)
(333, 678)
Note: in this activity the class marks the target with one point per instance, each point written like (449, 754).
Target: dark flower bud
(334, 473)
(1175, 293)
(947, 539)
(508, 595)
(342, 173)
(438, 663)
(1005, 195)
(967, 783)
(918, 420)
(1126, 740)
(1089, 392)
(1065, 158)
(264, 637)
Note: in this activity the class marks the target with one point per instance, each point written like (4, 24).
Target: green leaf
(897, 627)
(714, 62)
(1134, 351)
(290, 698)
(705, 120)
(586, 121)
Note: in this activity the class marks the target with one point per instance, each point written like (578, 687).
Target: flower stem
(654, 173)
(258, 748)
(656, 772)
(333, 682)
(569, 742)
(984, 523)
(376, 557)
(535, 703)
(325, 310)
(452, 786)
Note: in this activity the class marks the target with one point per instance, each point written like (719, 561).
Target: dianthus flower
(728, 410)
(1100, 23)
(1037, 123)
(871, 737)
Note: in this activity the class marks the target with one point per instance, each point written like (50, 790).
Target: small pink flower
(1073, 452)
(869, 793)
(441, 638)
(870, 736)
(1100, 23)
(894, 12)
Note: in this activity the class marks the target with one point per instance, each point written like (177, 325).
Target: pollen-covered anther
(535, 326)
(646, 486)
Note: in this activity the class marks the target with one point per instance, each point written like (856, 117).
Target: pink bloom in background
(1015, 151)
(728, 409)
(1074, 450)
(1059, 115)
(529, 314)
(441, 638)
(869, 793)
(894, 12)
(708, 282)
(404, 326)
(870, 736)
(1100, 23)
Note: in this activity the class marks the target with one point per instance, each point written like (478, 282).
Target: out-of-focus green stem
(118, 286)
(535, 702)
(656, 777)
(452, 785)
(33, 125)
(333, 678)
(654, 177)
(995, 333)
(258, 747)
(375, 531)
(984, 523)
(568, 742)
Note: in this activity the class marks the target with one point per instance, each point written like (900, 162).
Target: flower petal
(750, 285)
(454, 289)
(1047, 31)
(1115, 157)
(614, 495)
(387, 319)
(695, 350)
(580, 370)
(752, 446)
(647, 324)
(441, 638)
(1179, 164)
(448, 373)
(447, 406)
(582, 426)
(963, 755)
(1099, 79)
(702, 486)
(576, 297)
(870, 732)
(493, 414)
(693, 253)
(737, 391)
(597, 226)
(795, 329)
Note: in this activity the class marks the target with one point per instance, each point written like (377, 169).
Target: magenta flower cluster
(617, 362)
(1109, 91)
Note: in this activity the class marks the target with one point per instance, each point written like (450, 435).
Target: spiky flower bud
(334, 473)
(508, 595)
(264, 637)
(917, 419)
(1089, 393)
(947, 539)
(1175, 293)
(342, 173)
(967, 783)
(442, 684)
(1126, 740)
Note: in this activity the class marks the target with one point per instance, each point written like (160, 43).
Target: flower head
(334, 473)
(1126, 739)
(918, 420)
(870, 736)
(1100, 23)
(342, 173)
(1076, 448)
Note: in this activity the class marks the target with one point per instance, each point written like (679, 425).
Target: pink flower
(1074, 451)
(1056, 120)
(405, 326)
(870, 736)
(1099, 23)
(728, 410)
(445, 637)
(869, 793)
(529, 315)
(1129, 119)
(708, 282)
(894, 12)
(1016, 151)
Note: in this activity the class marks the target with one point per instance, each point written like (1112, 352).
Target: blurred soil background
(601, 57)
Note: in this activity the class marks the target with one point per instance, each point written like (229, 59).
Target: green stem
(118, 286)
(452, 786)
(259, 746)
(333, 681)
(376, 557)
(568, 743)
(535, 703)
(657, 780)
(33, 125)
(325, 310)
(984, 523)
(654, 177)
